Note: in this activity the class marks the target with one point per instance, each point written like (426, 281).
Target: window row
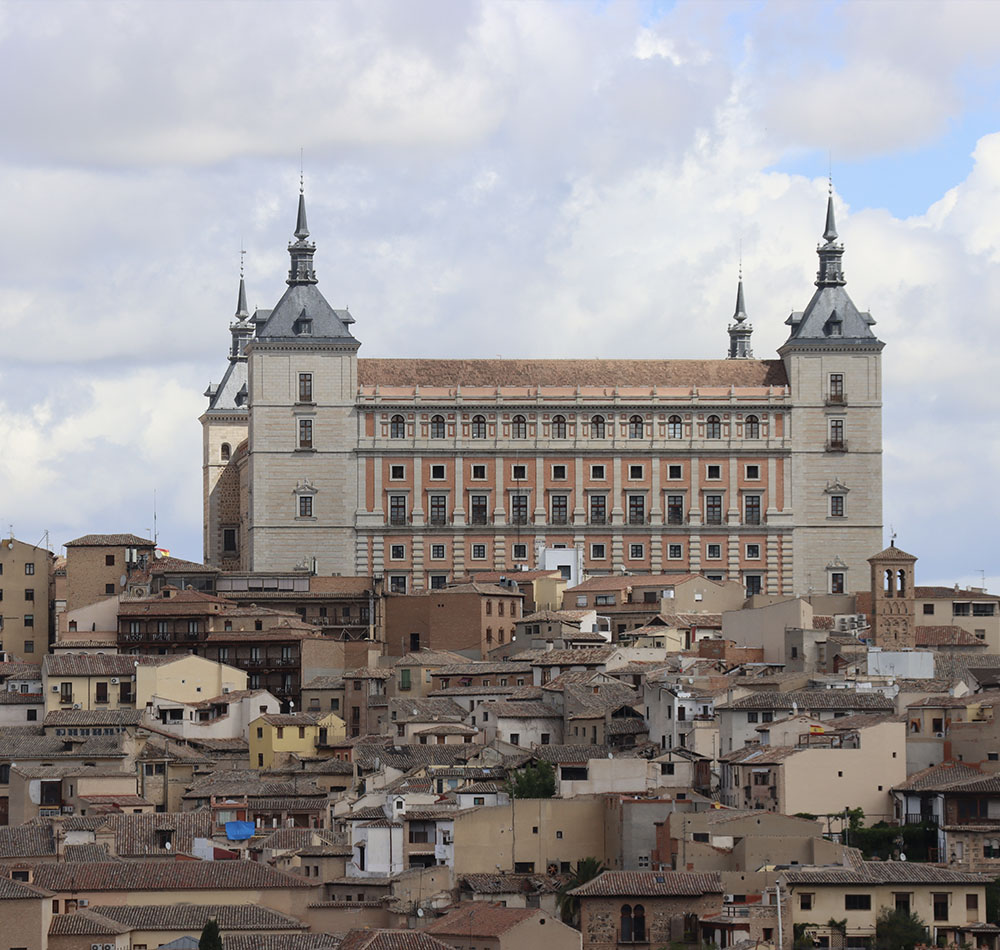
(599, 551)
(518, 511)
(600, 427)
(559, 471)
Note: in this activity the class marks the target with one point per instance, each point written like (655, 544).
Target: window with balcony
(713, 509)
(751, 509)
(837, 442)
(397, 509)
(836, 388)
(636, 509)
(305, 387)
(478, 509)
(518, 509)
(558, 506)
(598, 509)
(305, 434)
(675, 509)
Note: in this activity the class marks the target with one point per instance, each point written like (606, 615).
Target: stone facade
(766, 472)
(667, 919)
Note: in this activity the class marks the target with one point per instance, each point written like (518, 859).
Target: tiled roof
(85, 852)
(518, 577)
(473, 691)
(195, 916)
(292, 839)
(480, 919)
(89, 664)
(623, 581)
(811, 699)
(9, 697)
(508, 883)
(945, 702)
(448, 729)
(335, 681)
(11, 890)
(650, 884)
(93, 717)
(605, 373)
(167, 565)
(136, 836)
(419, 709)
(510, 709)
(85, 923)
(430, 658)
(110, 540)
(951, 593)
(627, 727)
(391, 940)
(163, 876)
(563, 754)
(26, 841)
(288, 719)
(946, 635)
(584, 656)
(480, 788)
(482, 668)
(259, 941)
(472, 587)
(249, 782)
(884, 872)
(405, 757)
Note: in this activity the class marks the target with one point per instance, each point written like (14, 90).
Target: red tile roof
(650, 884)
(480, 919)
(391, 940)
(110, 540)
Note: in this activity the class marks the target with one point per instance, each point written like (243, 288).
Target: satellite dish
(902, 857)
(123, 580)
(167, 845)
(420, 912)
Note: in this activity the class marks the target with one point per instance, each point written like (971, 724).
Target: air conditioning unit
(95, 946)
(729, 898)
(114, 680)
(55, 689)
(77, 706)
(938, 735)
(83, 903)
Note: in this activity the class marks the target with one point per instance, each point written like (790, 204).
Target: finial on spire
(302, 171)
(241, 303)
(830, 233)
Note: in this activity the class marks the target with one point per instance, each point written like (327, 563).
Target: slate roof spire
(301, 250)
(831, 254)
(242, 327)
(740, 330)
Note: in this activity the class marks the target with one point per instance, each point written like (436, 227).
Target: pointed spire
(740, 314)
(830, 234)
(301, 228)
(301, 251)
(241, 303)
(740, 331)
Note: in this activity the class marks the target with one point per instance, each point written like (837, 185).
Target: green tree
(838, 928)
(899, 930)
(210, 938)
(533, 781)
(569, 906)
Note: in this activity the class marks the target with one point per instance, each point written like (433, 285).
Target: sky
(524, 179)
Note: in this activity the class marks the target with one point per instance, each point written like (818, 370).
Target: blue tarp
(239, 830)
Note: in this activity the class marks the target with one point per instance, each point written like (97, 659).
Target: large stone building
(425, 470)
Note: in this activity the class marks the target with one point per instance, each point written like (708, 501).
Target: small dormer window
(303, 326)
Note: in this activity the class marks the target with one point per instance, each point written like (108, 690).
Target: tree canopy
(534, 781)
(899, 930)
(210, 938)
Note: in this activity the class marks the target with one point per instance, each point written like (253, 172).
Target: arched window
(626, 923)
(639, 923)
(888, 583)
(226, 451)
(479, 427)
(751, 428)
(397, 427)
(636, 427)
(558, 427)
(713, 427)
(519, 428)
(901, 575)
(597, 427)
(675, 428)
(437, 427)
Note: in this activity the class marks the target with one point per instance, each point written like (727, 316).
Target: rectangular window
(305, 434)
(29, 569)
(100, 692)
(753, 552)
(437, 472)
(397, 583)
(636, 552)
(675, 551)
(108, 589)
(675, 471)
(675, 509)
(519, 552)
(836, 433)
(603, 600)
(479, 552)
(559, 473)
(109, 560)
(636, 509)
(635, 472)
(518, 472)
(29, 620)
(597, 473)
(836, 582)
(518, 509)
(836, 506)
(478, 472)
(713, 472)
(753, 473)
(940, 906)
(397, 509)
(439, 509)
(713, 551)
(598, 509)
(229, 540)
(305, 387)
(805, 901)
(597, 552)
(983, 610)
(928, 608)
(559, 509)
(397, 473)
(29, 593)
(751, 509)
(478, 512)
(305, 506)
(960, 609)
(437, 552)
(713, 509)
(438, 581)
(397, 552)
(836, 387)
(753, 584)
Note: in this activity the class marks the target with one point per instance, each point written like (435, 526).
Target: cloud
(482, 178)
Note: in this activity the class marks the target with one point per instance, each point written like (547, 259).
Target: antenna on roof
(154, 516)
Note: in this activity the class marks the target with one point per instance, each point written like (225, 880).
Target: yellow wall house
(950, 903)
(89, 681)
(276, 735)
(186, 679)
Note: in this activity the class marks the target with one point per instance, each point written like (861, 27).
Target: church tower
(302, 479)
(739, 330)
(833, 361)
(223, 434)
(893, 621)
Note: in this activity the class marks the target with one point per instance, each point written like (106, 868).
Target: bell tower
(893, 622)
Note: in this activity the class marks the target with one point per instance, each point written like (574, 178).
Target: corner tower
(893, 621)
(302, 480)
(834, 365)
(224, 427)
